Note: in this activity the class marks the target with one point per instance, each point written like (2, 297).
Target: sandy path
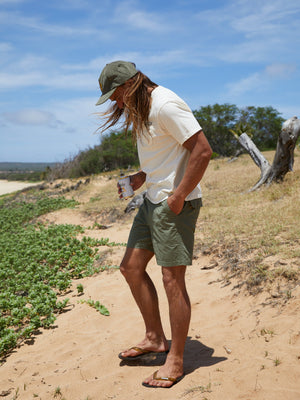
(231, 353)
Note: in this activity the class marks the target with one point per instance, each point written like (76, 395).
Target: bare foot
(144, 347)
(162, 378)
(168, 375)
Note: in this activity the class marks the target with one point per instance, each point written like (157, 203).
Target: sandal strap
(140, 350)
(162, 378)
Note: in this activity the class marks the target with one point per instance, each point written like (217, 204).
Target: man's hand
(137, 180)
(175, 204)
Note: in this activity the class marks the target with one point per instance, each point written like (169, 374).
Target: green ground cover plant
(96, 304)
(37, 263)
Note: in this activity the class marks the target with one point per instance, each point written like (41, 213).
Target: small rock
(228, 351)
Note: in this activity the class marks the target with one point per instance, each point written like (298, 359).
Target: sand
(7, 187)
(239, 347)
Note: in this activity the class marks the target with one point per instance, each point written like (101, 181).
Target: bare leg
(180, 314)
(133, 267)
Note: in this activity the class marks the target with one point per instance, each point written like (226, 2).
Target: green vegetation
(96, 304)
(277, 362)
(24, 167)
(32, 172)
(80, 289)
(37, 263)
(116, 151)
(57, 392)
(23, 176)
(219, 120)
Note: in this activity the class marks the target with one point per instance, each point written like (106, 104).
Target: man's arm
(200, 155)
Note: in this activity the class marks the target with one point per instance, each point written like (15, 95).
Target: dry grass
(105, 203)
(256, 234)
(106, 206)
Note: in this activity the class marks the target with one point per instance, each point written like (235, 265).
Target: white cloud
(250, 83)
(30, 62)
(12, 81)
(127, 13)
(58, 80)
(31, 117)
(66, 128)
(53, 52)
(144, 59)
(144, 21)
(63, 30)
(77, 113)
(280, 70)
(33, 71)
(5, 47)
(71, 81)
(261, 80)
(264, 18)
(245, 31)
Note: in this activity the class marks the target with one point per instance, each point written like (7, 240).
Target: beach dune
(239, 346)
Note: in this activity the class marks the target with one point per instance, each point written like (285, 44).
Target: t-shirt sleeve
(178, 121)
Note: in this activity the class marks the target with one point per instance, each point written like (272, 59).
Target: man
(174, 155)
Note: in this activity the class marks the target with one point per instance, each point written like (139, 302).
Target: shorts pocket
(165, 209)
(195, 204)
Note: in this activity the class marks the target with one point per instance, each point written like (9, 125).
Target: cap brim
(105, 97)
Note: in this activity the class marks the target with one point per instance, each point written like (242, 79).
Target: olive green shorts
(169, 236)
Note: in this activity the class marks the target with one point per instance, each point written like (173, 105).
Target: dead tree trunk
(284, 157)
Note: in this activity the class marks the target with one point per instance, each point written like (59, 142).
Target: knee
(168, 280)
(129, 271)
(124, 268)
(173, 279)
(134, 263)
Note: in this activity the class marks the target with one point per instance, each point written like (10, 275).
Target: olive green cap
(114, 75)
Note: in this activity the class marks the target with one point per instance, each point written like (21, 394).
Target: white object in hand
(126, 188)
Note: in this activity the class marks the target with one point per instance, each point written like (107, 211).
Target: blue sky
(243, 52)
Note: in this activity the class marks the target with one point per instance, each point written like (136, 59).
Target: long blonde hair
(137, 103)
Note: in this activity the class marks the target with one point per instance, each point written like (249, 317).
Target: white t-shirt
(161, 154)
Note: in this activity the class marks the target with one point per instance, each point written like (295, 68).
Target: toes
(130, 353)
(157, 382)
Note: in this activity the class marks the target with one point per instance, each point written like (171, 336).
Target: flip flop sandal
(142, 354)
(162, 378)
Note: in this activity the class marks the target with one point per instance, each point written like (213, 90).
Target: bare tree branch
(284, 157)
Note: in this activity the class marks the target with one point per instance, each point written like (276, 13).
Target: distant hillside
(19, 171)
(24, 167)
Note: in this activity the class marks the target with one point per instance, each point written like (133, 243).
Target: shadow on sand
(196, 355)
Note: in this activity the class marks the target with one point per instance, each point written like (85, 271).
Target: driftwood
(284, 157)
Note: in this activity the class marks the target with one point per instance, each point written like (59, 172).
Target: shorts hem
(139, 246)
(175, 264)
